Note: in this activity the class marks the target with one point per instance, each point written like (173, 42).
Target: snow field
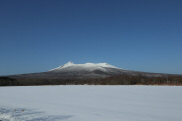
(91, 103)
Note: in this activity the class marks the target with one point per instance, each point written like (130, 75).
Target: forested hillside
(112, 80)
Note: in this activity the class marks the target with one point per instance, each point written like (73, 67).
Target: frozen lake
(91, 103)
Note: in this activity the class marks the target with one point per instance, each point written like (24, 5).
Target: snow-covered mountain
(70, 66)
(87, 70)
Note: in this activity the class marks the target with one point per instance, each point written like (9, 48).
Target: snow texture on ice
(23, 114)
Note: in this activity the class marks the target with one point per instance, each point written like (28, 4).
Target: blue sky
(142, 35)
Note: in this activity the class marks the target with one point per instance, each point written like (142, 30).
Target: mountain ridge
(86, 65)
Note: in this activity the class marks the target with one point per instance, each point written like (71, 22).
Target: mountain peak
(87, 66)
(69, 63)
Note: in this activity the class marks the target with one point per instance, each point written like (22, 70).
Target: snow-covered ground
(91, 103)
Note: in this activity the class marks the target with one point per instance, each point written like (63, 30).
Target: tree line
(112, 80)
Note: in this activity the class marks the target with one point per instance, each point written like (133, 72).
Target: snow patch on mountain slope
(86, 66)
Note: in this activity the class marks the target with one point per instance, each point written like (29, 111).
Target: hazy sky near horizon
(142, 35)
